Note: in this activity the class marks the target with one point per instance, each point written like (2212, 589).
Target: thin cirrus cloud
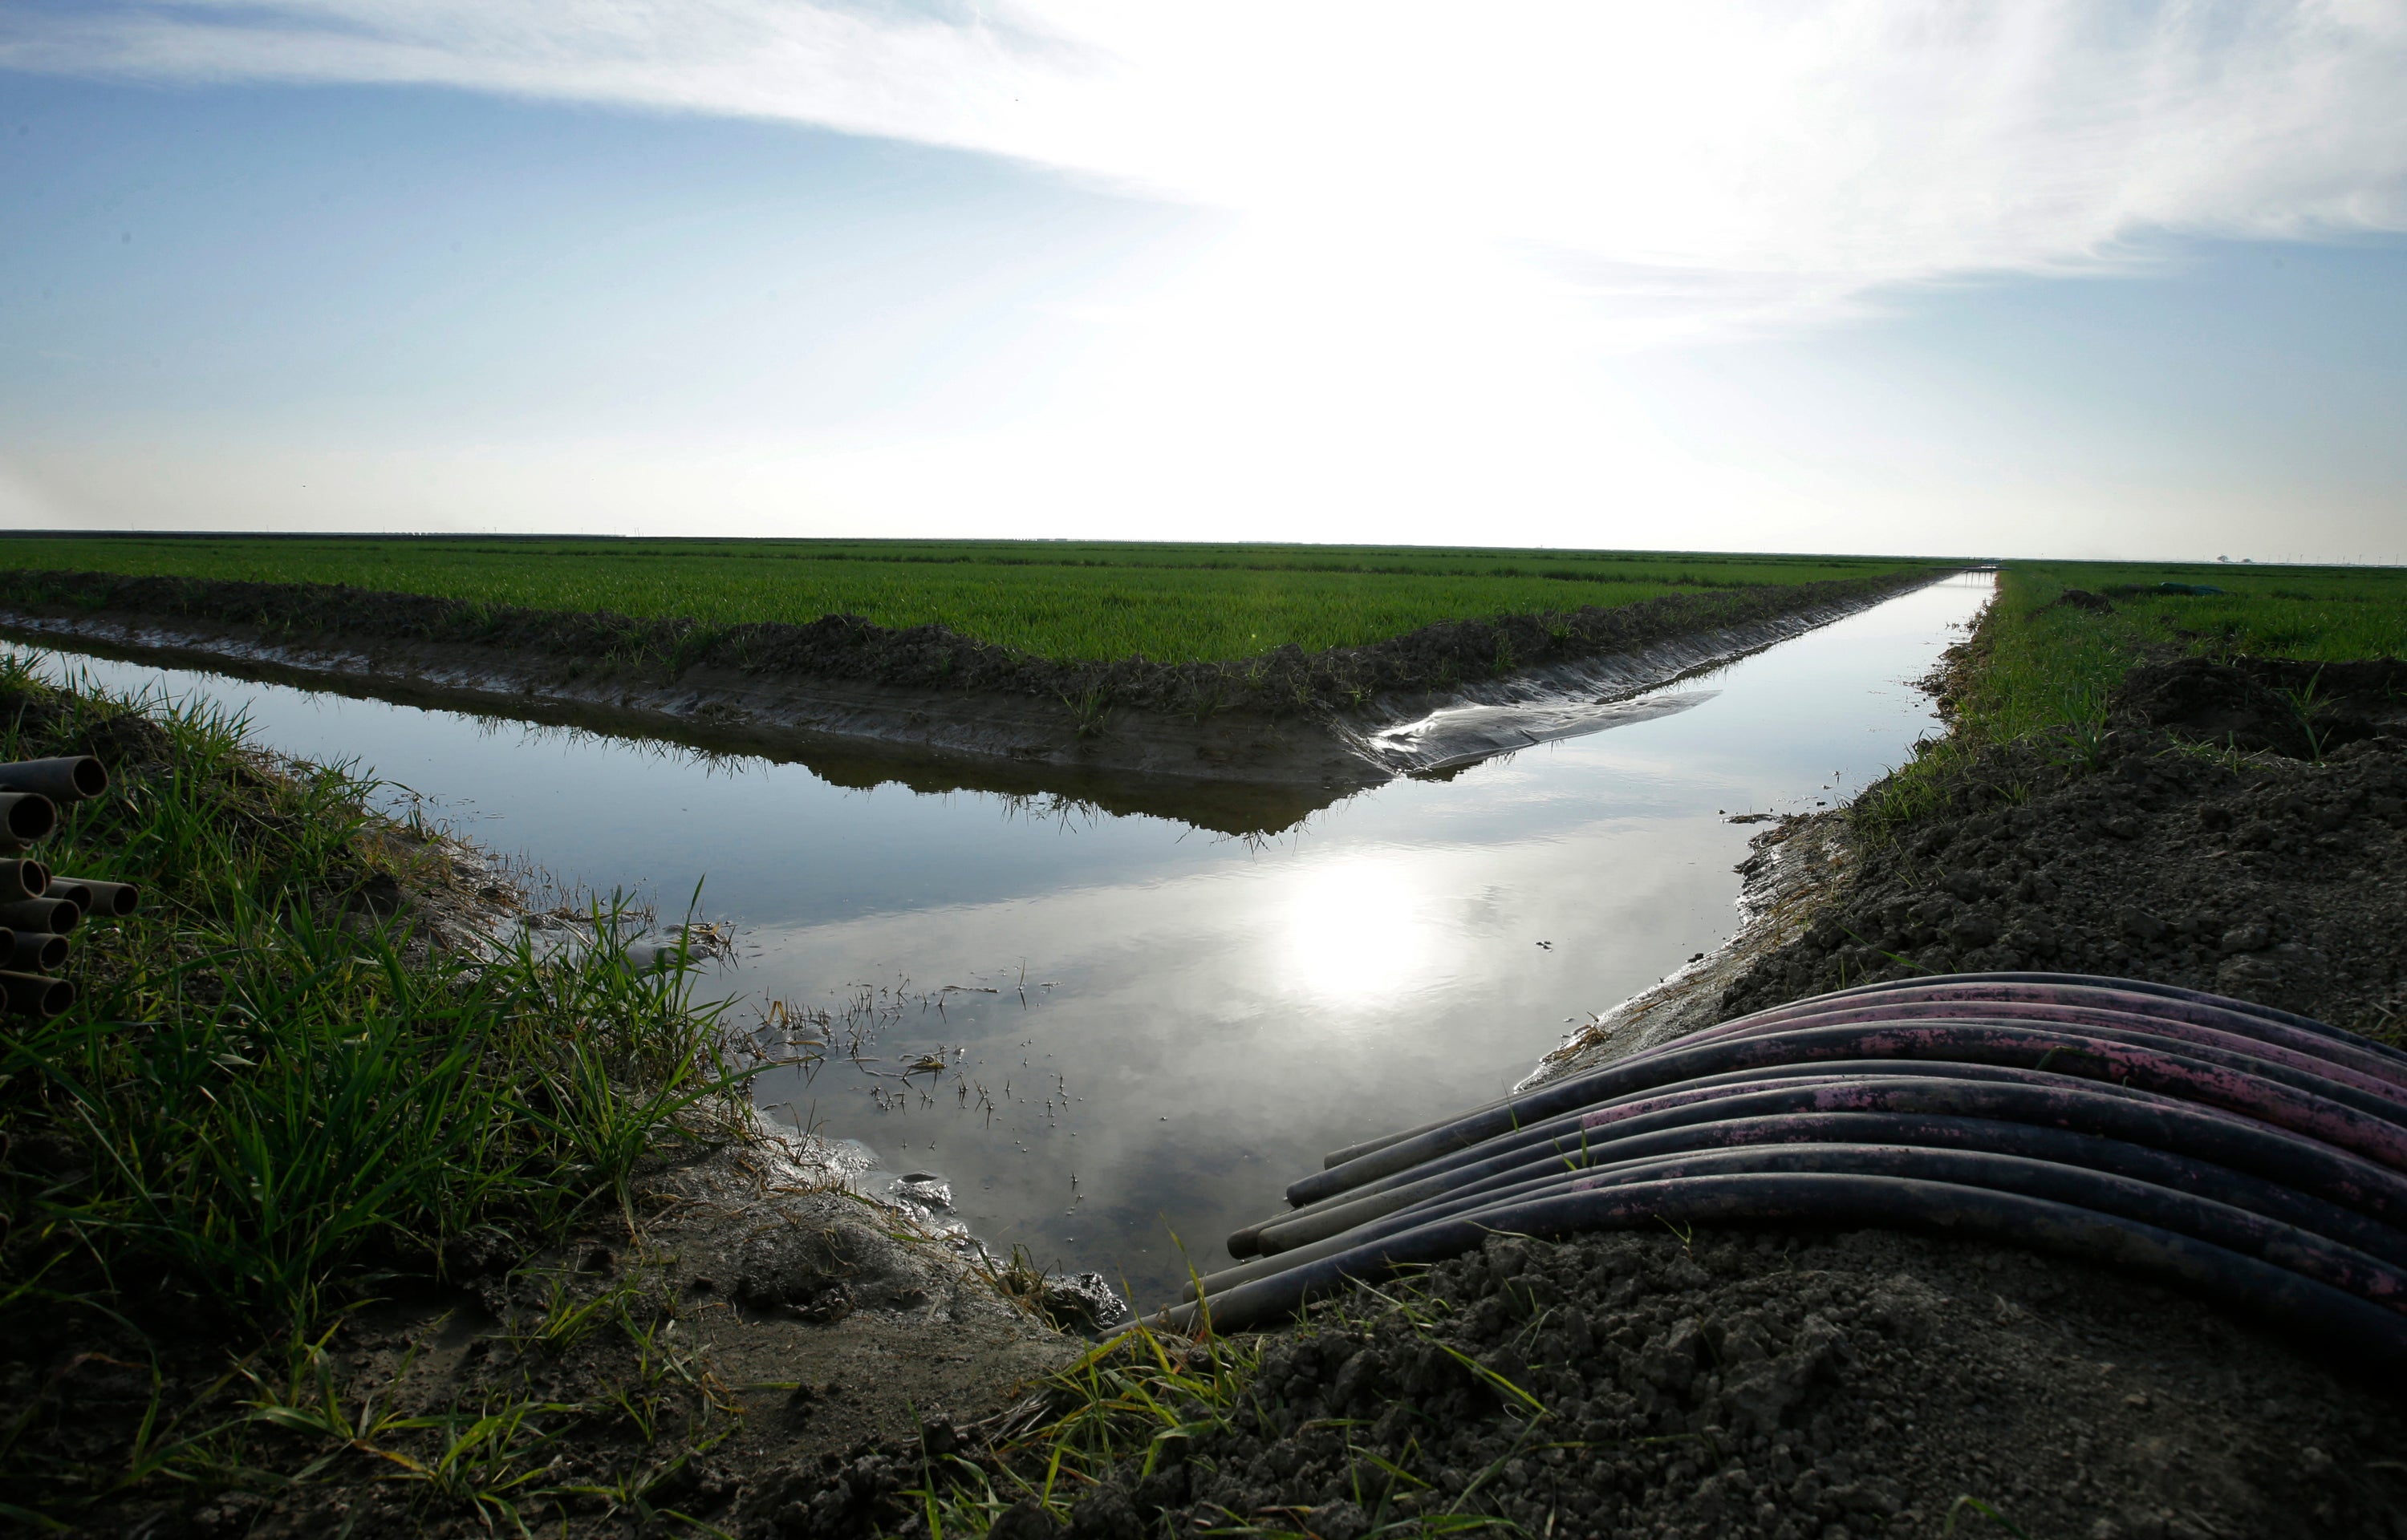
(1672, 168)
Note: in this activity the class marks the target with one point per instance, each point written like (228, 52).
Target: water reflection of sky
(1204, 1016)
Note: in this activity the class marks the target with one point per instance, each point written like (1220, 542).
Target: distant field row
(1069, 601)
(2052, 665)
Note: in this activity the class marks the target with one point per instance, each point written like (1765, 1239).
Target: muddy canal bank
(1775, 1383)
(1780, 1382)
(2144, 853)
(1140, 1022)
(1784, 1383)
(1787, 1382)
(1440, 697)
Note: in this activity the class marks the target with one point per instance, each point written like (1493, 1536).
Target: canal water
(1113, 1039)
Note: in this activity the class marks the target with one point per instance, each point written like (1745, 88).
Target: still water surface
(1180, 1022)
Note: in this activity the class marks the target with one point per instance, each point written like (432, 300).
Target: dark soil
(2147, 853)
(1793, 1385)
(1285, 682)
(1773, 1384)
(2279, 704)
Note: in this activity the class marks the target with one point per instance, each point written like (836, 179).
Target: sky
(2106, 279)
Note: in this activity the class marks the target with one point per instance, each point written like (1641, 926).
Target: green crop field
(2044, 665)
(1062, 600)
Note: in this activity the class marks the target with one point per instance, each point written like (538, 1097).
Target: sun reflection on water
(1362, 930)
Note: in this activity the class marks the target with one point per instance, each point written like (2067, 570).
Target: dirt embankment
(749, 1336)
(1785, 1386)
(1286, 717)
(780, 1323)
(2145, 852)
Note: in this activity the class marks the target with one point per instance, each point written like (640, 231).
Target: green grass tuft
(273, 1094)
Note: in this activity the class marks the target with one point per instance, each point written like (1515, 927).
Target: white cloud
(1451, 219)
(1709, 162)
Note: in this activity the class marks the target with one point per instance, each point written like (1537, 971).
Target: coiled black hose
(2252, 1154)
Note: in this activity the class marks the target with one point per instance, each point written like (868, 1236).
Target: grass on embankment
(1057, 599)
(272, 1100)
(2037, 665)
(2038, 669)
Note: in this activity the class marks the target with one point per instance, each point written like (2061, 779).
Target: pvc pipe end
(31, 816)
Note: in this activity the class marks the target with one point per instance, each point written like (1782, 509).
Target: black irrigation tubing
(2135, 987)
(1588, 1124)
(2375, 1076)
(1828, 1086)
(2213, 1219)
(1582, 1126)
(2332, 1318)
(2163, 1002)
(2379, 1101)
(2249, 1153)
(1906, 1113)
(2115, 1157)
(2101, 1113)
(2017, 1045)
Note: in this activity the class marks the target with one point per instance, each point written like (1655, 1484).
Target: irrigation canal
(1147, 1028)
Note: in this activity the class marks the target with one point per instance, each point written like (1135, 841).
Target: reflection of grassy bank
(1056, 599)
(276, 1096)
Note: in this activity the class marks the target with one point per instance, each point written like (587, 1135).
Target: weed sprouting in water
(1091, 712)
